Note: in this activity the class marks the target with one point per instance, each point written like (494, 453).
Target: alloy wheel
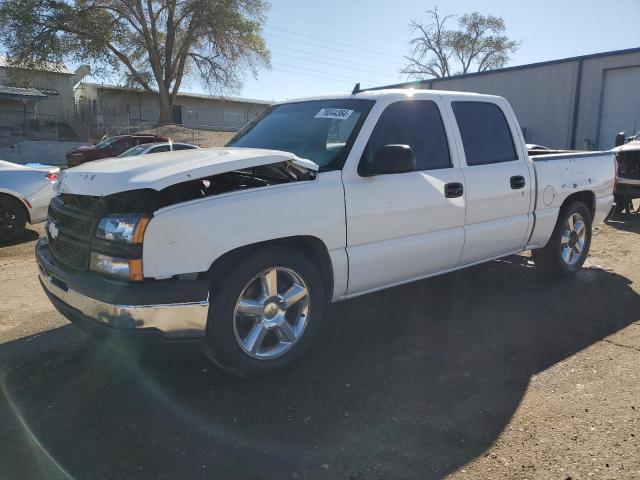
(572, 241)
(271, 313)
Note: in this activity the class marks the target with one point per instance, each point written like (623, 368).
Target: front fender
(189, 237)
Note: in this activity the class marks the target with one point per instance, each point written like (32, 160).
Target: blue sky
(345, 42)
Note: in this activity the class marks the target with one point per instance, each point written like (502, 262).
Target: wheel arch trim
(329, 263)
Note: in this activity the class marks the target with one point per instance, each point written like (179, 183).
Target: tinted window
(485, 133)
(416, 123)
(133, 151)
(163, 148)
(180, 146)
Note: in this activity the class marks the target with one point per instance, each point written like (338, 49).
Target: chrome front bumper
(174, 321)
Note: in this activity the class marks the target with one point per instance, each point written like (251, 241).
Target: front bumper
(167, 310)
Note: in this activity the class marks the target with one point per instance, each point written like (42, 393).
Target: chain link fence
(18, 125)
(200, 135)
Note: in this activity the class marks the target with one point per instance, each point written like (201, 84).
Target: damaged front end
(90, 264)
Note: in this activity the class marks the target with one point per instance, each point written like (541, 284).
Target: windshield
(322, 131)
(137, 150)
(106, 142)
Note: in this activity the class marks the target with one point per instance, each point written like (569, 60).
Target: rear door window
(182, 147)
(162, 148)
(485, 133)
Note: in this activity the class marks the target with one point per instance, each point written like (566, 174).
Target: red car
(109, 147)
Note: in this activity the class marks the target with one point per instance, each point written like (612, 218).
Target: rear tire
(569, 244)
(13, 218)
(265, 312)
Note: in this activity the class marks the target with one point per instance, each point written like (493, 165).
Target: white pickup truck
(236, 251)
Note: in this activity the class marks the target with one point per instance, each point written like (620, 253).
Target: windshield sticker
(334, 113)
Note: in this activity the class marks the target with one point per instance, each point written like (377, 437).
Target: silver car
(156, 148)
(25, 192)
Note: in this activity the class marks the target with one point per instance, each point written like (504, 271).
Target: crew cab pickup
(237, 251)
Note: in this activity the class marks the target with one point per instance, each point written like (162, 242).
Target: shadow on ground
(629, 222)
(412, 382)
(27, 236)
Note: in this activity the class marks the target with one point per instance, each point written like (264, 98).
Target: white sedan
(157, 147)
(25, 193)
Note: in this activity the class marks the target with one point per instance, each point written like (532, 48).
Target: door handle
(517, 182)
(453, 190)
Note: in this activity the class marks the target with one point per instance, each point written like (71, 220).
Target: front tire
(265, 312)
(13, 218)
(569, 244)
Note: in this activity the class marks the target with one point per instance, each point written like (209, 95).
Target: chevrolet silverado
(236, 251)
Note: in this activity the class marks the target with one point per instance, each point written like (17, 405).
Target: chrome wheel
(572, 241)
(271, 313)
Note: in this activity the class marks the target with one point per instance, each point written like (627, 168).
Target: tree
(150, 44)
(439, 52)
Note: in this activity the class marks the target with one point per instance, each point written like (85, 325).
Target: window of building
(485, 133)
(234, 118)
(135, 111)
(192, 112)
(416, 123)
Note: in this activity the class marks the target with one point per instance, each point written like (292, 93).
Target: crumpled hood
(161, 170)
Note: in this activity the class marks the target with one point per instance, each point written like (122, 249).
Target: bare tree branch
(479, 41)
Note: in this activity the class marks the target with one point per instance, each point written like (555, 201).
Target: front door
(497, 181)
(401, 227)
(176, 114)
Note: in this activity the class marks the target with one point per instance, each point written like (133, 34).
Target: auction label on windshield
(334, 113)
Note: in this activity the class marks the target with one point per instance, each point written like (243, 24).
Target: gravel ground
(201, 138)
(492, 372)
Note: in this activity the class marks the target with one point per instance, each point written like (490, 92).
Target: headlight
(127, 228)
(117, 247)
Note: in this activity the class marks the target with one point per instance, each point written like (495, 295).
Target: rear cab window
(485, 133)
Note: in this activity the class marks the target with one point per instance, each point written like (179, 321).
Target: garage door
(620, 104)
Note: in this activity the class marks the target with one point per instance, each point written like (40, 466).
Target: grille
(74, 225)
(70, 253)
(72, 244)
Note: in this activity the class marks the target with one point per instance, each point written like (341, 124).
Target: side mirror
(389, 159)
(620, 138)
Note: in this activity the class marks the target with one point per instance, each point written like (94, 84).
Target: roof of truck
(376, 94)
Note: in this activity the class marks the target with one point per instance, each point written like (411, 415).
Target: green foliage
(439, 52)
(153, 44)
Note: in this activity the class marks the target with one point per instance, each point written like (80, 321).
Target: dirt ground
(201, 138)
(488, 373)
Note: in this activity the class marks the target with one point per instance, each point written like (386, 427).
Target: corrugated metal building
(579, 102)
(46, 91)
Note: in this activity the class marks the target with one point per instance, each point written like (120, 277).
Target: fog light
(117, 267)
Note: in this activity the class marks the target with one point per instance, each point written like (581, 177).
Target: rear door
(401, 227)
(498, 181)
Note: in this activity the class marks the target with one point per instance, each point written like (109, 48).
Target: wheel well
(24, 208)
(311, 246)
(586, 197)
